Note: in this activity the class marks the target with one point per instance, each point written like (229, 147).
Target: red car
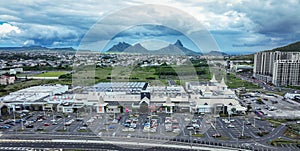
(46, 124)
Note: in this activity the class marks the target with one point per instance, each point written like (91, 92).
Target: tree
(233, 110)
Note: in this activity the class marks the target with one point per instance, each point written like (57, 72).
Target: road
(116, 143)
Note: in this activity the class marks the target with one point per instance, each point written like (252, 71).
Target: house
(7, 79)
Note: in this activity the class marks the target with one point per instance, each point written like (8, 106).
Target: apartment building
(286, 72)
(264, 65)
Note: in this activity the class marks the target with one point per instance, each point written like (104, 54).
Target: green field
(51, 74)
(158, 75)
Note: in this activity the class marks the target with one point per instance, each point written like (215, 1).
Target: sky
(239, 26)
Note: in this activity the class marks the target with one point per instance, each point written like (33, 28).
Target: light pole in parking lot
(22, 124)
(191, 139)
(243, 129)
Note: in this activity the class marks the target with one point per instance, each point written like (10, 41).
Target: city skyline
(240, 26)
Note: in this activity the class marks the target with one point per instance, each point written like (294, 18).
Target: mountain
(120, 47)
(293, 47)
(172, 49)
(177, 49)
(137, 48)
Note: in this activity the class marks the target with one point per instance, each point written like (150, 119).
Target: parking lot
(159, 126)
(162, 125)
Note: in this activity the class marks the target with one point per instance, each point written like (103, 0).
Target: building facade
(286, 72)
(265, 65)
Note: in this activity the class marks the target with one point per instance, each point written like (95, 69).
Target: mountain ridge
(172, 49)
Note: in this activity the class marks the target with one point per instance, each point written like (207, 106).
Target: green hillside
(293, 47)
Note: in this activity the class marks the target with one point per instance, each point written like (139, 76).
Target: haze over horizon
(237, 26)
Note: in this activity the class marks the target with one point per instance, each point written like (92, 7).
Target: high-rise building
(286, 72)
(264, 65)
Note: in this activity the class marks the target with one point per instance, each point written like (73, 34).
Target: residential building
(7, 79)
(264, 64)
(286, 72)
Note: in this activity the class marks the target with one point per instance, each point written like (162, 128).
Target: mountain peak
(178, 43)
(119, 47)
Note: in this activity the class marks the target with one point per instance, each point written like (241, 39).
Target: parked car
(216, 135)
(29, 126)
(5, 127)
(231, 126)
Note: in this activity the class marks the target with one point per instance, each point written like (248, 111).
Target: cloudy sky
(236, 26)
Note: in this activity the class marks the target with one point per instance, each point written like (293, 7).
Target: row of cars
(150, 125)
(130, 124)
(172, 125)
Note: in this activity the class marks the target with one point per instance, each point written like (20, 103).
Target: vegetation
(276, 123)
(294, 47)
(294, 87)
(243, 57)
(279, 141)
(51, 74)
(223, 138)
(234, 82)
(293, 131)
(198, 135)
(28, 83)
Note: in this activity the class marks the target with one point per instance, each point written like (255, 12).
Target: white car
(298, 122)
(196, 126)
(194, 120)
(231, 126)
(227, 122)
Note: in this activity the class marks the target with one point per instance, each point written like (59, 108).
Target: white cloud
(7, 28)
(29, 43)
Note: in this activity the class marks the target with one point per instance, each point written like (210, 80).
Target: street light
(243, 128)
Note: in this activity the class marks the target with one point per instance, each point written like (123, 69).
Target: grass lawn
(18, 86)
(293, 131)
(277, 141)
(198, 135)
(51, 74)
(234, 82)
